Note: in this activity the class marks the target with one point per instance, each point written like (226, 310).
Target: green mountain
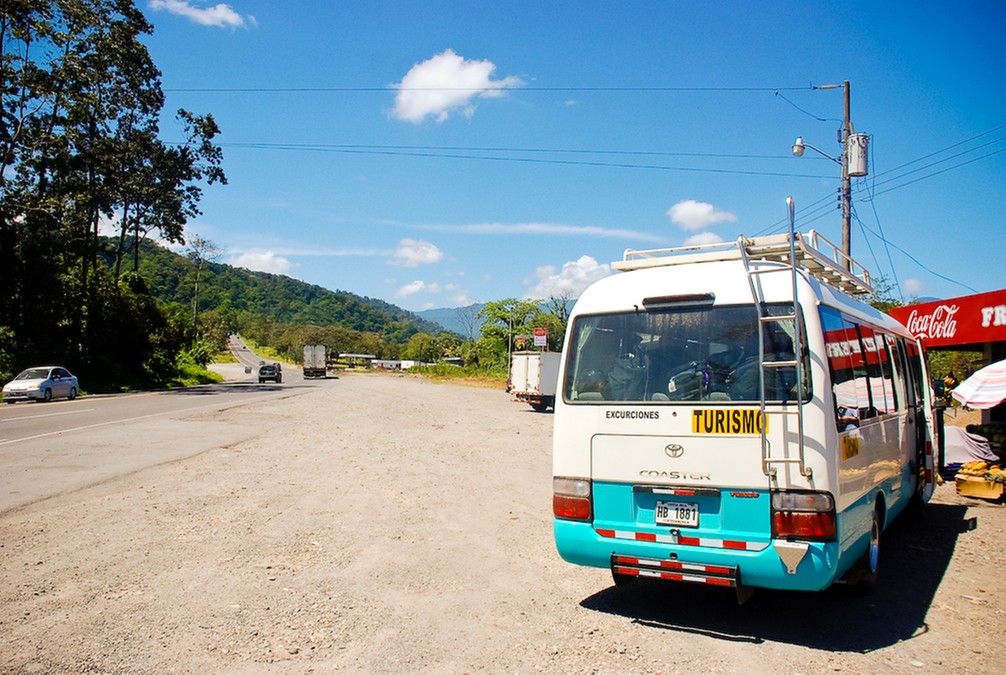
(171, 278)
(458, 320)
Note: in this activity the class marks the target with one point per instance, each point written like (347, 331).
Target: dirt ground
(961, 417)
(386, 523)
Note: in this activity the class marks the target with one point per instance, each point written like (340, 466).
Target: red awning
(972, 319)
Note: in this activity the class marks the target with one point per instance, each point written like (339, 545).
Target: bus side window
(848, 369)
(915, 370)
(885, 349)
(902, 380)
(874, 403)
(594, 360)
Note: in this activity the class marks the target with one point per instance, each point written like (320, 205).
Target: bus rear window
(681, 355)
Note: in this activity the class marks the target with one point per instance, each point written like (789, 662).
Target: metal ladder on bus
(748, 252)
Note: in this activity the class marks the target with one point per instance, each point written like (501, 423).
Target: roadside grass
(472, 377)
(225, 357)
(191, 373)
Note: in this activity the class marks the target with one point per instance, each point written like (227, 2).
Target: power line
(946, 159)
(459, 148)
(941, 171)
(805, 112)
(393, 88)
(814, 212)
(949, 147)
(914, 259)
(451, 152)
(525, 160)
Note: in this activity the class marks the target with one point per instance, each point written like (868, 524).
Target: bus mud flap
(744, 593)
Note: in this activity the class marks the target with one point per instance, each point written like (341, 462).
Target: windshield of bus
(685, 354)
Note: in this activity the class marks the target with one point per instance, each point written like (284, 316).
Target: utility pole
(854, 163)
(846, 179)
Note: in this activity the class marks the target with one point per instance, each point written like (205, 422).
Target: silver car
(41, 383)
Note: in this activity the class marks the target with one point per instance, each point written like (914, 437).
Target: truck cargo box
(533, 378)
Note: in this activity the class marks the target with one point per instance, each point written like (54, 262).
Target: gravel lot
(387, 523)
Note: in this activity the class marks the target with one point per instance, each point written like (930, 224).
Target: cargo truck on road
(315, 361)
(533, 377)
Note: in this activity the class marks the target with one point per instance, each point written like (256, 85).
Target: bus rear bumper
(579, 543)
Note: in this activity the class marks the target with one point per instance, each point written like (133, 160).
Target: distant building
(358, 360)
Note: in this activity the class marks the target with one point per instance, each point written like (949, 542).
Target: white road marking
(36, 417)
(132, 419)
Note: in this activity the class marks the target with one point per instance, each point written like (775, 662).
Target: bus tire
(868, 567)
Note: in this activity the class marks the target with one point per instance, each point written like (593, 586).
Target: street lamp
(799, 145)
(853, 163)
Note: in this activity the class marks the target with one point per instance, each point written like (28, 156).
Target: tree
(468, 317)
(421, 347)
(200, 251)
(507, 317)
(559, 306)
(81, 99)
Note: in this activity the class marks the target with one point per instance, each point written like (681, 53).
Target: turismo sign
(972, 319)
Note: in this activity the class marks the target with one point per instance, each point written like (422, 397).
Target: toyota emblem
(674, 450)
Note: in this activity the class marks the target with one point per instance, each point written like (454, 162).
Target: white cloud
(571, 281)
(913, 287)
(447, 82)
(546, 229)
(462, 299)
(109, 227)
(220, 15)
(703, 238)
(692, 215)
(261, 261)
(415, 287)
(335, 252)
(415, 252)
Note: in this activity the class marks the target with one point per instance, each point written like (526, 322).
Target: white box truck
(533, 378)
(315, 361)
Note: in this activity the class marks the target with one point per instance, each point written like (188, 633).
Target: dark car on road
(270, 371)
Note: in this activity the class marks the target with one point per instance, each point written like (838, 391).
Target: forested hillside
(79, 148)
(241, 294)
(80, 151)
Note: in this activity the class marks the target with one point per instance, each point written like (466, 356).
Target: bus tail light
(571, 498)
(803, 515)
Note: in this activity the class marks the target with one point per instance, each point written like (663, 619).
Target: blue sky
(435, 154)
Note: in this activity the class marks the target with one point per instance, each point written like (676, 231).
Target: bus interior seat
(590, 396)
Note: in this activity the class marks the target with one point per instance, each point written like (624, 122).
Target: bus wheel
(869, 565)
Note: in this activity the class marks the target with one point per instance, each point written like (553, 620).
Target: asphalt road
(49, 448)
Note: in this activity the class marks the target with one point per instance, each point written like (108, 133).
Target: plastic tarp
(961, 447)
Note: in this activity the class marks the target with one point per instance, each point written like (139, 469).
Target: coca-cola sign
(960, 321)
(939, 323)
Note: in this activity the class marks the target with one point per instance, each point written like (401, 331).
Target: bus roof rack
(812, 253)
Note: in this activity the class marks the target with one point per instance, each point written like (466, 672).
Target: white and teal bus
(730, 415)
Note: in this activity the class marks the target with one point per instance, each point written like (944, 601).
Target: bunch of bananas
(973, 469)
(980, 469)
